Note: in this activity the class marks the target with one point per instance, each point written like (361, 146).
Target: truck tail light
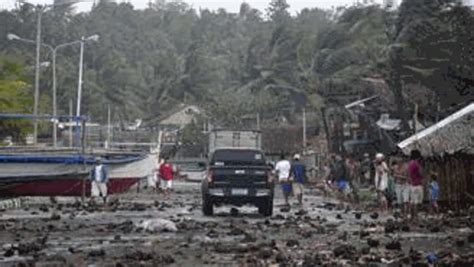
(209, 176)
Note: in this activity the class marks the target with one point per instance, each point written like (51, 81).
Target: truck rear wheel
(266, 207)
(207, 206)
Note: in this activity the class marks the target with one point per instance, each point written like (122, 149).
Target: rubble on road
(150, 230)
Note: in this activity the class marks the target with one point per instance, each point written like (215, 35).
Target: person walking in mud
(381, 181)
(157, 179)
(326, 178)
(402, 190)
(166, 174)
(99, 178)
(282, 169)
(353, 178)
(415, 175)
(298, 172)
(341, 176)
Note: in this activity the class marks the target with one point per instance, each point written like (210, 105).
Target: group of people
(403, 184)
(292, 177)
(161, 179)
(400, 184)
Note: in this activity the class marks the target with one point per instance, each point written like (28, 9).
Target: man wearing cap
(99, 178)
(298, 172)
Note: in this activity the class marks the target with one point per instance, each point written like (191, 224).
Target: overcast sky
(230, 5)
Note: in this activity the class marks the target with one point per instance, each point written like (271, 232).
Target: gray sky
(230, 5)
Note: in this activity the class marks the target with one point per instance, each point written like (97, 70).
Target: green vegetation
(147, 61)
(15, 97)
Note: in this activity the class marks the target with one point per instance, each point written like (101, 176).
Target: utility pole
(39, 11)
(55, 112)
(70, 122)
(108, 127)
(258, 121)
(79, 82)
(304, 129)
(95, 38)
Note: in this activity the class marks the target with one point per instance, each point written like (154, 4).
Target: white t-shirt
(98, 173)
(381, 173)
(283, 168)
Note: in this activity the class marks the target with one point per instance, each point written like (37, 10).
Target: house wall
(455, 178)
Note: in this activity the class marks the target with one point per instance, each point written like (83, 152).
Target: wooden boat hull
(66, 179)
(62, 187)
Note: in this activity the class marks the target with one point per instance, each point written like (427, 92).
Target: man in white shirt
(283, 168)
(99, 178)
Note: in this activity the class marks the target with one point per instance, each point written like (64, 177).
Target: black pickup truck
(237, 177)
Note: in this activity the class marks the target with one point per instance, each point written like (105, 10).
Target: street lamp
(39, 10)
(54, 50)
(94, 38)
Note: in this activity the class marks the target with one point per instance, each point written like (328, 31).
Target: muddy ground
(322, 232)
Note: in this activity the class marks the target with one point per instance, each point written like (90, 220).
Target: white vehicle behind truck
(234, 139)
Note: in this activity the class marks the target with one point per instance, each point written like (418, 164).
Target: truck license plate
(239, 192)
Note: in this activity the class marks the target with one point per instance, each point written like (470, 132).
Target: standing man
(402, 190)
(283, 168)
(298, 171)
(365, 168)
(152, 181)
(415, 178)
(166, 176)
(99, 178)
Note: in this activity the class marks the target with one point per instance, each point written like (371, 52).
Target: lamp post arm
(34, 42)
(67, 44)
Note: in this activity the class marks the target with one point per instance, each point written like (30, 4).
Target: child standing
(434, 193)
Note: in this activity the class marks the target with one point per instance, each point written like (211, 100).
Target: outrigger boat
(67, 175)
(30, 174)
(46, 171)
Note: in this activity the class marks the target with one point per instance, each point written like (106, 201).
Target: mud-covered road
(146, 229)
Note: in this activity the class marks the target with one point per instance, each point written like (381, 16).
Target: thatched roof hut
(448, 150)
(451, 135)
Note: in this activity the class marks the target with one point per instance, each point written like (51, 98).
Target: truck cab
(238, 176)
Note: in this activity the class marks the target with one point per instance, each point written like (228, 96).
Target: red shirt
(414, 172)
(166, 171)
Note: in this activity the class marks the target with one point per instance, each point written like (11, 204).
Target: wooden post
(415, 118)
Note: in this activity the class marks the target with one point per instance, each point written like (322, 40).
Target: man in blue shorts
(282, 169)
